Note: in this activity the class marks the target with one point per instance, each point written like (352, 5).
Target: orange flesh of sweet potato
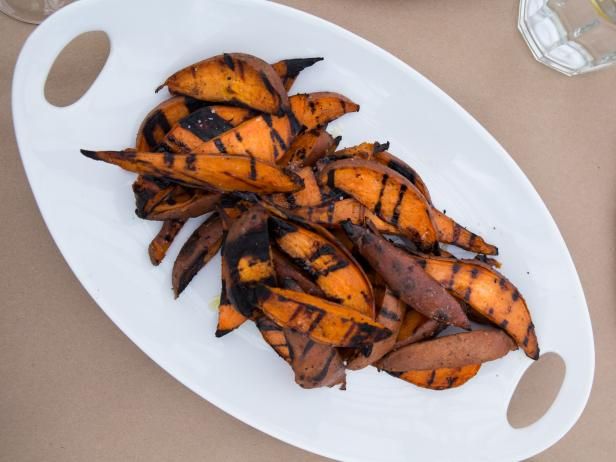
(232, 78)
(309, 196)
(289, 69)
(184, 203)
(229, 318)
(198, 250)
(315, 110)
(308, 147)
(455, 350)
(223, 173)
(315, 364)
(163, 240)
(338, 276)
(387, 194)
(440, 379)
(489, 293)
(324, 321)
(405, 276)
(390, 314)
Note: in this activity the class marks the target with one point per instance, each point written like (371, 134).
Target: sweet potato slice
(223, 173)
(308, 147)
(198, 250)
(315, 364)
(248, 257)
(417, 327)
(489, 293)
(387, 194)
(163, 240)
(337, 274)
(203, 125)
(184, 203)
(406, 277)
(274, 337)
(286, 270)
(289, 69)
(450, 232)
(455, 350)
(232, 78)
(159, 120)
(315, 110)
(324, 321)
(334, 212)
(311, 195)
(390, 314)
(264, 137)
(440, 379)
(149, 192)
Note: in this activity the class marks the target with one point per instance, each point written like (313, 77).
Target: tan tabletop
(74, 388)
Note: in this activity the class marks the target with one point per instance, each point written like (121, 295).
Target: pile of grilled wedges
(335, 254)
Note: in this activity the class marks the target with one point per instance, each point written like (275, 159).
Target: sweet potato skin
(315, 364)
(212, 172)
(232, 78)
(163, 240)
(390, 314)
(490, 294)
(325, 322)
(415, 328)
(455, 350)
(440, 379)
(405, 276)
(336, 273)
(198, 250)
(285, 269)
(387, 194)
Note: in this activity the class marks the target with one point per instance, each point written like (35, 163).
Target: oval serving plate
(88, 208)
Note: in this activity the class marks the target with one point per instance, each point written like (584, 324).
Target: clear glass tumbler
(31, 11)
(571, 36)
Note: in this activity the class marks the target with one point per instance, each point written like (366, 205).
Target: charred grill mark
(422, 263)
(525, 341)
(343, 105)
(295, 125)
(205, 124)
(323, 372)
(268, 119)
(180, 145)
(331, 179)
(451, 380)
(238, 137)
(396, 215)
(380, 147)
(467, 294)
(228, 60)
(158, 119)
(377, 207)
(474, 273)
(502, 283)
(432, 377)
(220, 146)
(335, 267)
(312, 106)
(190, 162)
(330, 212)
(503, 324)
(323, 250)
(169, 158)
(515, 295)
(276, 138)
(295, 66)
(253, 169)
(456, 232)
(490, 311)
(389, 314)
(268, 85)
(315, 322)
(291, 200)
(192, 104)
(240, 66)
(472, 240)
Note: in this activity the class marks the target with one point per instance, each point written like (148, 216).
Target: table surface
(73, 387)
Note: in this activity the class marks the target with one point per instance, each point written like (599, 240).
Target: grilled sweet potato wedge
(159, 120)
(229, 318)
(264, 137)
(332, 213)
(324, 321)
(249, 259)
(440, 379)
(406, 277)
(163, 240)
(289, 69)
(198, 250)
(184, 203)
(232, 78)
(489, 293)
(311, 195)
(308, 148)
(415, 328)
(274, 336)
(385, 193)
(337, 274)
(203, 125)
(315, 364)
(149, 191)
(450, 232)
(455, 350)
(315, 110)
(223, 173)
(390, 314)
(286, 270)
